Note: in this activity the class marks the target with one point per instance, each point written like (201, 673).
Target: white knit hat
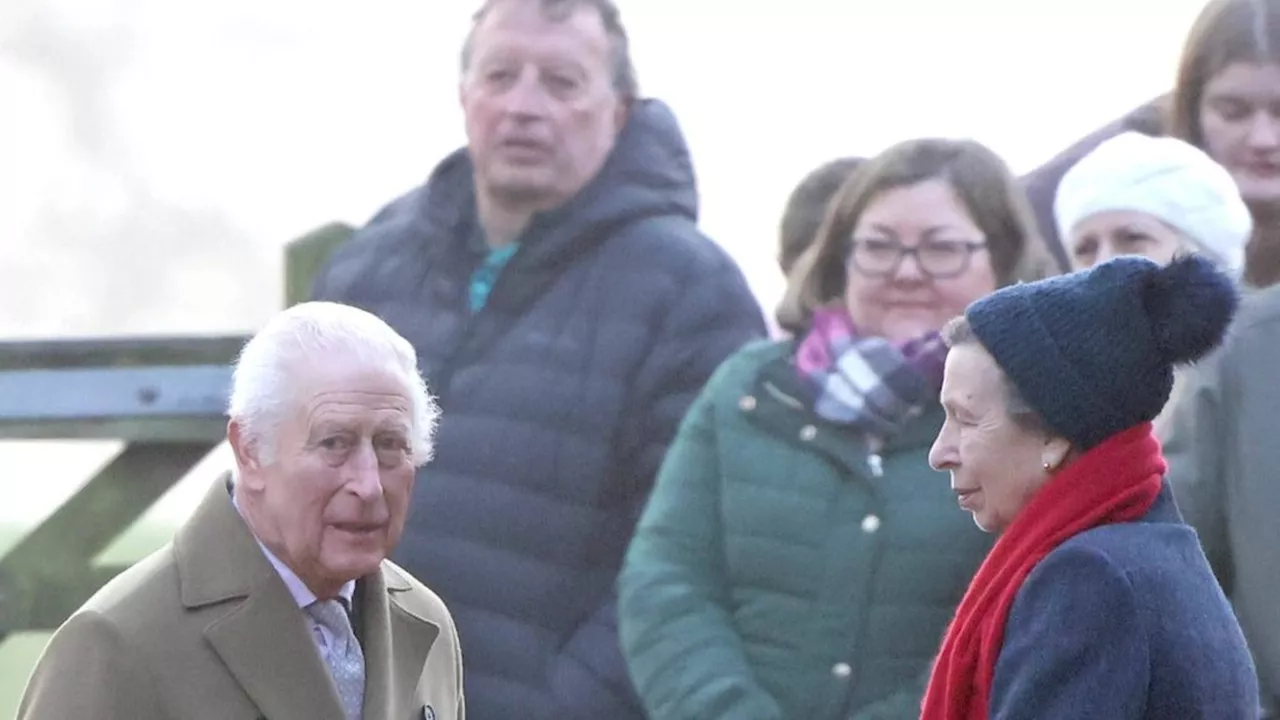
(1166, 178)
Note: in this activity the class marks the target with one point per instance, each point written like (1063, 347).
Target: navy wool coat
(1125, 622)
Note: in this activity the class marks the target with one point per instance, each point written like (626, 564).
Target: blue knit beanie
(1093, 351)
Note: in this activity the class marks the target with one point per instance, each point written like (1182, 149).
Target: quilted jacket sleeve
(685, 657)
(712, 317)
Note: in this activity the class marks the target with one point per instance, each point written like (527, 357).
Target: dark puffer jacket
(559, 397)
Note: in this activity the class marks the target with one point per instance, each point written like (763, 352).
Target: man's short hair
(624, 73)
(265, 384)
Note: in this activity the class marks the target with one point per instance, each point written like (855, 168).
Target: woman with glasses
(798, 558)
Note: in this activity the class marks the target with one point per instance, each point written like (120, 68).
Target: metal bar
(50, 572)
(154, 429)
(120, 352)
(306, 256)
(115, 393)
(47, 603)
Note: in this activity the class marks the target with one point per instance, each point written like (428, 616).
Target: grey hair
(624, 72)
(264, 386)
(958, 331)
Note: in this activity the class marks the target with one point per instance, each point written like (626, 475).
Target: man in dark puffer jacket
(565, 326)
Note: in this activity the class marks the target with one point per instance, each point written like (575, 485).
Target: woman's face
(1102, 236)
(1240, 119)
(917, 260)
(996, 465)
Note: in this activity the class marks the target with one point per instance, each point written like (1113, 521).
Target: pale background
(156, 154)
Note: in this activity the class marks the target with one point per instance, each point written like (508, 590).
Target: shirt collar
(298, 589)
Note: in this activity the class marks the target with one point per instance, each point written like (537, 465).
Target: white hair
(263, 388)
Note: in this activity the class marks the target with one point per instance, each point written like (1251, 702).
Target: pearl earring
(1046, 467)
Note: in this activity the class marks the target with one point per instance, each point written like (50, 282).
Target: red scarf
(1114, 482)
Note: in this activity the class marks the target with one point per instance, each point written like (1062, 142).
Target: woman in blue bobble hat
(1096, 600)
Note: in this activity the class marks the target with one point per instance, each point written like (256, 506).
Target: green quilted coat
(784, 570)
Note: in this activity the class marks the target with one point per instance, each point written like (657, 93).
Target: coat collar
(261, 635)
(784, 406)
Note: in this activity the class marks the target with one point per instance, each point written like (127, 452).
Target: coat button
(747, 403)
(870, 524)
(876, 463)
(841, 670)
(808, 433)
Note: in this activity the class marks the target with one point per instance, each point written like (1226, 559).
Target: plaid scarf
(868, 383)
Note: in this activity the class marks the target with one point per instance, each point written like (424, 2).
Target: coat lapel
(262, 637)
(396, 641)
(267, 647)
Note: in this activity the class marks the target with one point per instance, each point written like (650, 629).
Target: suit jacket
(205, 629)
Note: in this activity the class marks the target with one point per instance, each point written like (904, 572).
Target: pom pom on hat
(1171, 180)
(1093, 351)
(1190, 305)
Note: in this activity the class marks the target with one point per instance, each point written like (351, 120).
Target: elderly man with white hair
(275, 599)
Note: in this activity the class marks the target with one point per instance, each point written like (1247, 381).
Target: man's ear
(246, 452)
(1056, 452)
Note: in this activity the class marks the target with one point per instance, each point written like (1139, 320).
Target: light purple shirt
(300, 592)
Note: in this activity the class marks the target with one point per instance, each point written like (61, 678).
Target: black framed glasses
(937, 258)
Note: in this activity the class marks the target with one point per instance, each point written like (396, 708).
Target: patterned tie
(343, 655)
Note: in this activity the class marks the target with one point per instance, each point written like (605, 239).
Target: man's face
(332, 503)
(541, 110)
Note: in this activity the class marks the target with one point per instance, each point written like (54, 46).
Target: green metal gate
(163, 397)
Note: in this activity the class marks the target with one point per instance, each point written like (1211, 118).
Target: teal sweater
(783, 571)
